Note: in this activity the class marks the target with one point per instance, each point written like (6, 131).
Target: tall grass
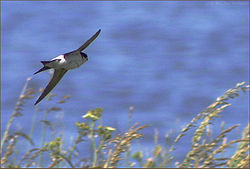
(111, 149)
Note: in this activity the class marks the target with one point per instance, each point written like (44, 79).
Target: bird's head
(84, 55)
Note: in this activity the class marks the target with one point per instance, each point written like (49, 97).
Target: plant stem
(19, 102)
(43, 134)
(92, 134)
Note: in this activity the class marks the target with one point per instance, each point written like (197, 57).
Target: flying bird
(62, 63)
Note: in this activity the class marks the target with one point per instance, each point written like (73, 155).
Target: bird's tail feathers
(42, 69)
(45, 65)
(50, 61)
(46, 62)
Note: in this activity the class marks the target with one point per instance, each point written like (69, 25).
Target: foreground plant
(204, 152)
(92, 131)
(110, 148)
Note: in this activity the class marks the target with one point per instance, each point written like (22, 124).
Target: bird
(62, 63)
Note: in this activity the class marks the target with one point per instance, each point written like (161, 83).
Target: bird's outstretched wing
(58, 74)
(88, 42)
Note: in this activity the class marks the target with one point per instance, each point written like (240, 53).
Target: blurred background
(169, 60)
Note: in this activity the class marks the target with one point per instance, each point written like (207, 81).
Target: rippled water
(169, 60)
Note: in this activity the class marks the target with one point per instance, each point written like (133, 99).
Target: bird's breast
(73, 61)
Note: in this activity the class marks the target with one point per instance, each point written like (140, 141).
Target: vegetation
(110, 149)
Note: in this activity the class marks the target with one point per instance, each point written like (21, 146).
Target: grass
(111, 149)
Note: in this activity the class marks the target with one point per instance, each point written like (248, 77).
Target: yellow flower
(93, 114)
(83, 126)
(109, 129)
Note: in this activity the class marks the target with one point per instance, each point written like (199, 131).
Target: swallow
(62, 63)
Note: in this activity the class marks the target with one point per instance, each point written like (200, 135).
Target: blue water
(169, 60)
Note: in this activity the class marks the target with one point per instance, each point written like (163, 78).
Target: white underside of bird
(74, 60)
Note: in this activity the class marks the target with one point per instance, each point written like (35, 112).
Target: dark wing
(58, 74)
(88, 42)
